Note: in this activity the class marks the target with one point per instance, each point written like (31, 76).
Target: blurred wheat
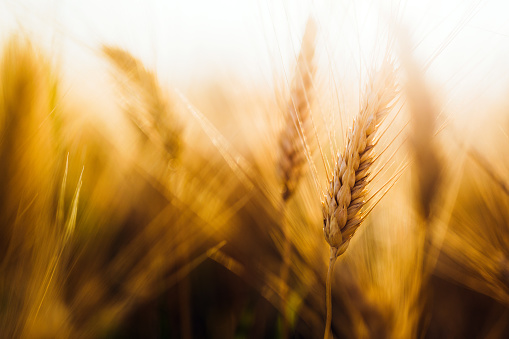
(200, 217)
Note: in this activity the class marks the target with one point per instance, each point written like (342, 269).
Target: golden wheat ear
(348, 187)
(146, 105)
(297, 127)
(424, 115)
(293, 147)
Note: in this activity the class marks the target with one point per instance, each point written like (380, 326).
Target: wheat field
(263, 169)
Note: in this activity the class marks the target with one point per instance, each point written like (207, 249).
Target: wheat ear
(347, 189)
(292, 144)
(297, 128)
(147, 105)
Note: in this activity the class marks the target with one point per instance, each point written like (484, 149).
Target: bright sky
(192, 39)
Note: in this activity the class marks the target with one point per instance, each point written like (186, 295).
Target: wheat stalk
(347, 189)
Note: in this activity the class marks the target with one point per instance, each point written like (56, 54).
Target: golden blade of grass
(27, 169)
(485, 165)
(68, 231)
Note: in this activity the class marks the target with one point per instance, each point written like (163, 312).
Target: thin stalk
(285, 270)
(328, 294)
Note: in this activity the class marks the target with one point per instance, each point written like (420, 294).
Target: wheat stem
(285, 270)
(328, 293)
